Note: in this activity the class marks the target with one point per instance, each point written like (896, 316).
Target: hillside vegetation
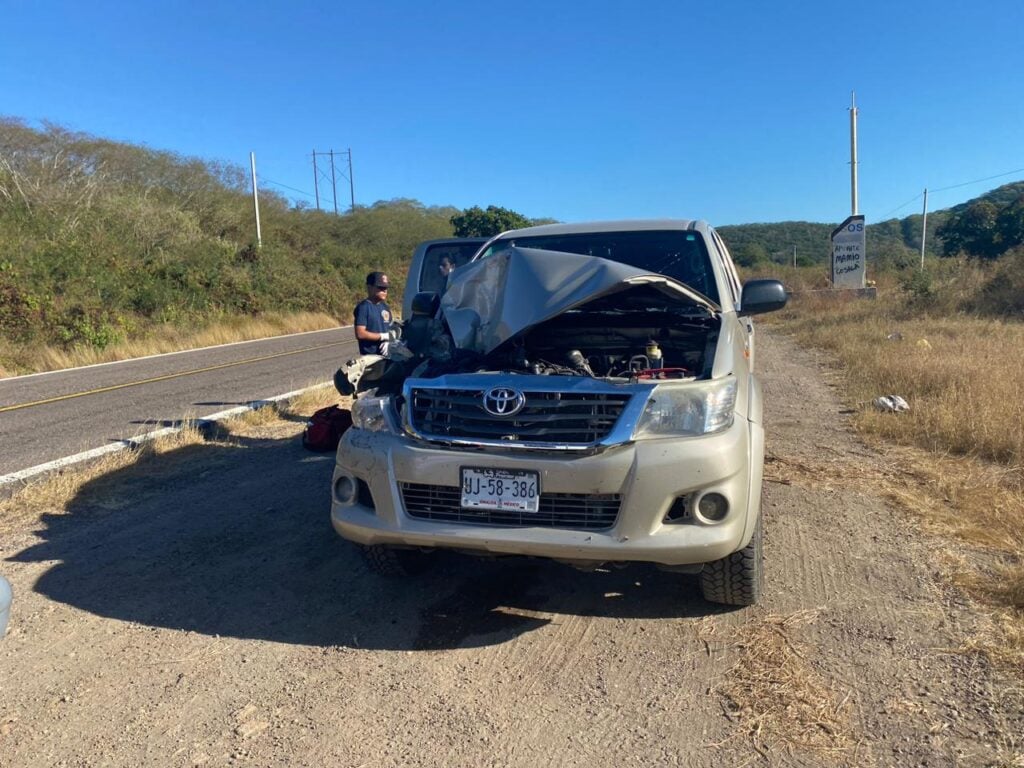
(984, 227)
(894, 243)
(102, 241)
(109, 249)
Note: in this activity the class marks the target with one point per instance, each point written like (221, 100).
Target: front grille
(547, 417)
(576, 511)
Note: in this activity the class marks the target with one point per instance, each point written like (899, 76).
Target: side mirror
(760, 296)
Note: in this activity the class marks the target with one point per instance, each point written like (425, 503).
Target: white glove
(387, 336)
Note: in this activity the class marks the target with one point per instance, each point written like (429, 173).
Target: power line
(899, 207)
(285, 186)
(951, 186)
(976, 181)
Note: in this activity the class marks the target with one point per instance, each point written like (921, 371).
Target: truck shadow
(235, 540)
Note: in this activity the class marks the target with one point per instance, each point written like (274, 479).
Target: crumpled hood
(489, 301)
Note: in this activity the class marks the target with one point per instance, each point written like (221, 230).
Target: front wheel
(738, 578)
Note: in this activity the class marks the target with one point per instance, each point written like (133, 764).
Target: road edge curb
(9, 483)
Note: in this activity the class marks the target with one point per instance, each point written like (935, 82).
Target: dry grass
(252, 420)
(822, 472)
(312, 400)
(35, 358)
(961, 376)
(296, 410)
(958, 458)
(778, 696)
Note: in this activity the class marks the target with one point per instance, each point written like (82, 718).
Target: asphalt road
(48, 416)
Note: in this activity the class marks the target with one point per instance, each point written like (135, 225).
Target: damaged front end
(576, 335)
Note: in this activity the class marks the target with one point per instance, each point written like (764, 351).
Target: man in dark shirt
(373, 317)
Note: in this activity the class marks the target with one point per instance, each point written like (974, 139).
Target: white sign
(848, 254)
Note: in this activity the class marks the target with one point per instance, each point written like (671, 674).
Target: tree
(973, 231)
(474, 222)
(1010, 223)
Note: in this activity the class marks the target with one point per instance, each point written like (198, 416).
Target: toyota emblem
(503, 401)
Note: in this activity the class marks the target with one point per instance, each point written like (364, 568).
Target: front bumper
(649, 476)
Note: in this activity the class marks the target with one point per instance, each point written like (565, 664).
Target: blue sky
(729, 111)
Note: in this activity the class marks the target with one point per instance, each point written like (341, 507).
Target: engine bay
(589, 318)
(637, 334)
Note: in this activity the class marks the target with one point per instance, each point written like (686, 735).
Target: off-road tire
(394, 562)
(738, 578)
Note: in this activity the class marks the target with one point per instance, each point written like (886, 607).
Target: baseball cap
(379, 279)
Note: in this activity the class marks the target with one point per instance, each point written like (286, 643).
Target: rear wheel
(738, 578)
(391, 561)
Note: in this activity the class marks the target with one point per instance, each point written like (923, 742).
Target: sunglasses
(381, 287)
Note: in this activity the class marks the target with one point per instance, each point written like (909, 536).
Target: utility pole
(336, 170)
(334, 186)
(255, 199)
(853, 153)
(924, 225)
(794, 257)
(351, 182)
(316, 182)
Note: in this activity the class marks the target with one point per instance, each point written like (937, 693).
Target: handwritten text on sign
(848, 254)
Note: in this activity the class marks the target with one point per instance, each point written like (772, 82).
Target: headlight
(371, 413)
(688, 409)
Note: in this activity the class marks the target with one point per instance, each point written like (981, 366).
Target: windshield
(674, 253)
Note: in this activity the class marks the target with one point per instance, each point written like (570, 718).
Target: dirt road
(204, 613)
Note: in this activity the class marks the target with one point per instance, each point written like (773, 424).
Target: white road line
(135, 442)
(168, 354)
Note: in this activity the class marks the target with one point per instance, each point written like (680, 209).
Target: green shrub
(1003, 294)
(94, 328)
(917, 283)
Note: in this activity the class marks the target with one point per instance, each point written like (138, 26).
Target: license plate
(500, 489)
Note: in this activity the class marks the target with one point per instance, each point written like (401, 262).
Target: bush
(917, 283)
(895, 258)
(1003, 294)
(79, 326)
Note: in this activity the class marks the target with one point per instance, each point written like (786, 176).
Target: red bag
(325, 428)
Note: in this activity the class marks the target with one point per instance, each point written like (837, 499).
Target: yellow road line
(19, 406)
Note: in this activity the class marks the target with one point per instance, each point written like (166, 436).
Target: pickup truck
(579, 392)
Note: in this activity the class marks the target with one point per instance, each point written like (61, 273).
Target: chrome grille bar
(574, 511)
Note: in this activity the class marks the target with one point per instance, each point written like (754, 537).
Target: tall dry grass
(963, 376)
(962, 441)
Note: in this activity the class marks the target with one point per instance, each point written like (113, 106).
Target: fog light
(713, 507)
(344, 490)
